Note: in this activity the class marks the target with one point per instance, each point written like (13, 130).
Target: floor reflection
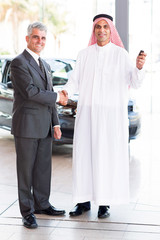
(137, 220)
(145, 164)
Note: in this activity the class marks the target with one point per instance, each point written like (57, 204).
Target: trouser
(86, 204)
(33, 173)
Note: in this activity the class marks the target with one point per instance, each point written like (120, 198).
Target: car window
(59, 77)
(1, 63)
(6, 72)
(61, 70)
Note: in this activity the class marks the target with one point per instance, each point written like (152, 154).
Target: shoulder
(88, 49)
(119, 49)
(119, 52)
(84, 52)
(20, 59)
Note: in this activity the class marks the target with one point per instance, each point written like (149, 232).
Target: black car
(61, 68)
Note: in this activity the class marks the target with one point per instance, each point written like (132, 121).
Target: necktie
(41, 65)
(48, 84)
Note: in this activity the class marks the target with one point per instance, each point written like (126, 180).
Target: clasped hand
(63, 97)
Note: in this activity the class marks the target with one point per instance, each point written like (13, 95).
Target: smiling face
(36, 40)
(102, 33)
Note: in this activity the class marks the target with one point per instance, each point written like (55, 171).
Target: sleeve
(72, 86)
(134, 76)
(24, 82)
(55, 118)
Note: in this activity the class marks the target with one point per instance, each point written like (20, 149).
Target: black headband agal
(102, 15)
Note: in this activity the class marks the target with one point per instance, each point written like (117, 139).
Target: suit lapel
(37, 68)
(46, 77)
(33, 63)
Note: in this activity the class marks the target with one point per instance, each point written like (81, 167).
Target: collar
(34, 55)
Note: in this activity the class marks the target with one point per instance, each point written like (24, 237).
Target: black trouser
(86, 204)
(34, 173)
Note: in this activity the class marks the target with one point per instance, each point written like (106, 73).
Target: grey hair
(38, 25)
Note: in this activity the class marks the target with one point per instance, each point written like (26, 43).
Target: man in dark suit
(34, 116)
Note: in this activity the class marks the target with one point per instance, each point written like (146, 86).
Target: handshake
(63, 97)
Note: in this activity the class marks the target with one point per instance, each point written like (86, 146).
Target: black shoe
(103, 211)
(29, 221)
(79, 209)
(52, 211)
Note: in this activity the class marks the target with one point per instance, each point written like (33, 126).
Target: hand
(141, 60)
(57, 132)
(63, 97)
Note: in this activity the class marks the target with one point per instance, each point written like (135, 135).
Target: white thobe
(102, 76)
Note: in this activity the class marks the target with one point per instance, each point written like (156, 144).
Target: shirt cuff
(56, 126)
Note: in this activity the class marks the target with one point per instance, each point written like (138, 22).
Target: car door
(6, 96)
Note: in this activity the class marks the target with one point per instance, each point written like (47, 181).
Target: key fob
(141, 52)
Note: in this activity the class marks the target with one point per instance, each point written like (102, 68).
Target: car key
(140, 53)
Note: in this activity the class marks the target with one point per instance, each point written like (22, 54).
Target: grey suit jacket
(34, 109)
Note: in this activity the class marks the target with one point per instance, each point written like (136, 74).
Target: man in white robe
(102, 76)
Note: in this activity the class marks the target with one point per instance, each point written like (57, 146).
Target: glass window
(144, 34)
(107, 7)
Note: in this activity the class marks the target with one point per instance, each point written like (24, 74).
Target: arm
(28, 83)
(72, 86)
(136, 74)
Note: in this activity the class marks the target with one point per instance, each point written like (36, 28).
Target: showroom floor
(140, 220)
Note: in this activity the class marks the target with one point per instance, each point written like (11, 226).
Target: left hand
(141, 60)
(57, 132)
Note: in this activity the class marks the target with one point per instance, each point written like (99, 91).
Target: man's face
(36, 41)
(102, 32)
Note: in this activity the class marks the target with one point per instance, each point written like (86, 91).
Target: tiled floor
(140, 220)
